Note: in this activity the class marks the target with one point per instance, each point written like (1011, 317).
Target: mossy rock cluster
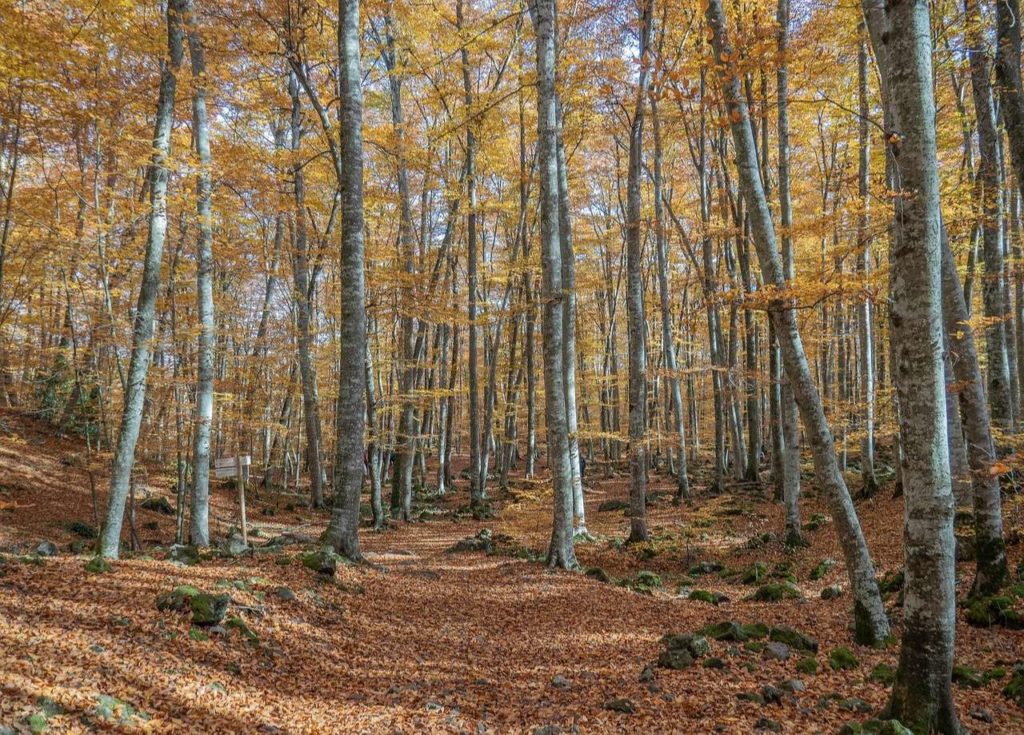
(682, 650)
(322, 561)
(207, 610)
(793, 638)
(822, 568)
(776, 592)
(713, 598)
(985, 612)
(644, 582)
(730, 630)
(842, 658)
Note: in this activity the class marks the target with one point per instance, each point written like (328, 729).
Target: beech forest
(512, 366)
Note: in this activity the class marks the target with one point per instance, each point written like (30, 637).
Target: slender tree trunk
(988, 199)
(342, 532)
(142, 334)
(199, 523)
(667, 341)
(865, 319)
(871, 623)
(561, 552)
(789, 413)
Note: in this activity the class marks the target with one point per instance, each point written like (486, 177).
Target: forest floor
(424, 639)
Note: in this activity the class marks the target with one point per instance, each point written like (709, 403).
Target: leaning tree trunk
(921, 696)
(561, 552)
(871, 623)
(790, 463)
(142, 334)
(342, 532)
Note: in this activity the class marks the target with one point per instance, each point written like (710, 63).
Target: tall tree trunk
(635, 298)
(988, 199)
(865, 320)
(871, 623)
(667, 342)
(142, 334)
(199, 523)
(302, 298)
(921, 696)
(342, 532)
(561, 552)
(789, 413)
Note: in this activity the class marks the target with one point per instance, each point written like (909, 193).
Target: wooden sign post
(237, 466)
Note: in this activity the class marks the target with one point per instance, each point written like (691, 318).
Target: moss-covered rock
(841, 658)
(713, 663)
(83, 529)
(208, 609)
(816, 521)
(676, 659)
(705, 567)
(822, 568)
(882, 674)
(323, 561)
(832, 592)
(177, 600)
(98, 565)
(599, 574)
(1015, 688)
(776, 592)
(808, 665)
(996, 610)
(696, 645)
(968, 677)
(158, 504)
(793, 638)
(714, 598)
(755, 574)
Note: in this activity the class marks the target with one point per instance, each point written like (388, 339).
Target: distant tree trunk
(342, 531)
(561, 552)
(302, 299)
(476, 497)
(871, 623)
(789, 413)
(921, 696)
(142, 334)
(989, 200)
(1008, 80)
(667, 342)
(865, 319)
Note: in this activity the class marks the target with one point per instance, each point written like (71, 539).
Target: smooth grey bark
(989, 200)
(667, 342)
(991, 572)
(871, 623)
(199, 521)
(789, 413)
(921, 696)
(561, 552)
(303, 307)
(342, 533)
(142, 332)
(959, 469)
(1008, 80)
(476, 497)
(569, 331)
(402, 482)
(865, 319)
(635, 297)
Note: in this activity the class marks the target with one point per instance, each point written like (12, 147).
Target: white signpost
(237, 467)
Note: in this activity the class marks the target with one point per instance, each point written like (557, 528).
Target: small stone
(981, 714)
(285, 594)
(777, 651)
(620, 704)
(560, 682)
(855, 704)
(675, 659)
(832, 592)
(792, 686)
(647, 675)
(771, 695)
(766, 723)
(46, 548)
